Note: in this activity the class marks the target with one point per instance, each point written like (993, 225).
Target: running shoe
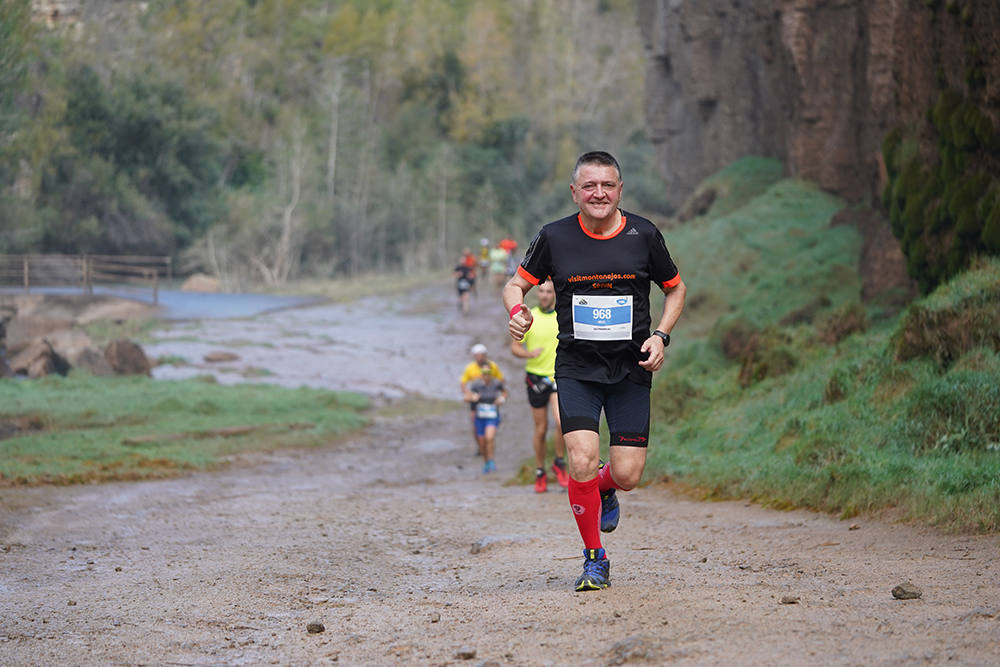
(561, 475)
(596, 571)
(609, 511)
(489, 467)
(541, 481)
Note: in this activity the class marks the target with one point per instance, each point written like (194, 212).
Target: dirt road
(405, 554)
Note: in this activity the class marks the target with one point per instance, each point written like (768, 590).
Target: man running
(486, 394)
(538, 348)
(601, 261)
(473, 371)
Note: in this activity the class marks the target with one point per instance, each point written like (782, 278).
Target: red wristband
(516, 309)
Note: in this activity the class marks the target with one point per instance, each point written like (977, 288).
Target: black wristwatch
(665, 337)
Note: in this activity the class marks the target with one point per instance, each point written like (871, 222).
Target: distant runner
(465, 277)
(601, 261)
(472, 372)
(486, 394)
(538, 348)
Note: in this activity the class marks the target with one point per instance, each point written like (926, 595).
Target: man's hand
(537, 352)
(653, 345)
(520, 323)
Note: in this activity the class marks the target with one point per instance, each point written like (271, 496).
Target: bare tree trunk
(333, 94)
(283, 259)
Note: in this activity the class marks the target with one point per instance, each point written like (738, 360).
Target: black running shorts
(625, 405)
(540, 387)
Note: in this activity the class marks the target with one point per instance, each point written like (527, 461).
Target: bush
(847, 319)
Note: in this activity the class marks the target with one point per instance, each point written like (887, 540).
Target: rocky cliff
(814, 83)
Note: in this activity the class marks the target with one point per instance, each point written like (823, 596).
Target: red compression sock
(585, 500)
(604, 479)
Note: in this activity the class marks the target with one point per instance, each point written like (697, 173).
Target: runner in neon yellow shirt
(538, 348)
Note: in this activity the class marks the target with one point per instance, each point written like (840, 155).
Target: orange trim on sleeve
(527, 276)
(673, 282)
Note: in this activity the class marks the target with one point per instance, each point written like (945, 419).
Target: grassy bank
(783, 388)
(82, 428)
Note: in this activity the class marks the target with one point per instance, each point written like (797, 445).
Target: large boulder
(38, 360)
(79, 351)
(127, 358)
(23, 330)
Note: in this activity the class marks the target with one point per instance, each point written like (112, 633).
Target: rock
(127, 358)
(69, 343)
(38, 360)
(23, 330)
(906, 591)
(465, 653)
(789, 599)
(200, 282)
(435, 617)
(315, 628)
(94, 362)
(214, 357)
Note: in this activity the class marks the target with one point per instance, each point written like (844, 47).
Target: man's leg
(538, 438)
(489, 445)
(583, 448)
(627, 410)
(559, 443)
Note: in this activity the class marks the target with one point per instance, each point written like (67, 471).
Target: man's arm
(673, 304)
(519, 350)
(513, 294)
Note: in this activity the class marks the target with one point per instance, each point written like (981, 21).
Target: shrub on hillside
(963, 317)
(767, 354)
(842, 322)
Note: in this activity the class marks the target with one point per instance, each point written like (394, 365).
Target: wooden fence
(84, 271)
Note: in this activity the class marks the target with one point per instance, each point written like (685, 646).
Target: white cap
(478, 348)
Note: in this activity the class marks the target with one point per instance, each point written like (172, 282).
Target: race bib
(486, 411)
(602, 317)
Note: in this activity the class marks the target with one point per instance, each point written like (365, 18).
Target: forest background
(264, 141)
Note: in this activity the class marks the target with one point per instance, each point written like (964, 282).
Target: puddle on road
(373, 347)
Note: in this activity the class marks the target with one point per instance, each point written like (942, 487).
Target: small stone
(118, 568)
(435, 617)
(71, 603)
(315, 628)
(704, 559)
(853, 526)
(789, 599)
(906, 591)
(465, 653)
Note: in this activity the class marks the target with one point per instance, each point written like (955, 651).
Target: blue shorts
(482, 423)
(625, 405)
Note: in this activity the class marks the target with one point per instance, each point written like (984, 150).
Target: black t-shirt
(597, 282)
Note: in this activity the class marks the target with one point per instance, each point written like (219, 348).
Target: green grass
(845, 427)
(82, 428)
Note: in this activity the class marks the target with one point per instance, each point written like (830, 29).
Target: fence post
(26, 283)
(156, 288)
(88, 267)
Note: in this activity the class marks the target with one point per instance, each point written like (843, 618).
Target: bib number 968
(602, 313)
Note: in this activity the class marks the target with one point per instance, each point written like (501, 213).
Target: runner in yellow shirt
(472, 372)
(538, 348)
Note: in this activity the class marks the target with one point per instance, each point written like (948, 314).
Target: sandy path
(407, 555)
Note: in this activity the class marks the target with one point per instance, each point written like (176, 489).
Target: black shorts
(540, 387)
(625, 405)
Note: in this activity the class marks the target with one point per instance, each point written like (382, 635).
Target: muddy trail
(395, 544)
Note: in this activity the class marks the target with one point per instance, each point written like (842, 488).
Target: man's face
(546, 295)
(480, 358)
(597, 190)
